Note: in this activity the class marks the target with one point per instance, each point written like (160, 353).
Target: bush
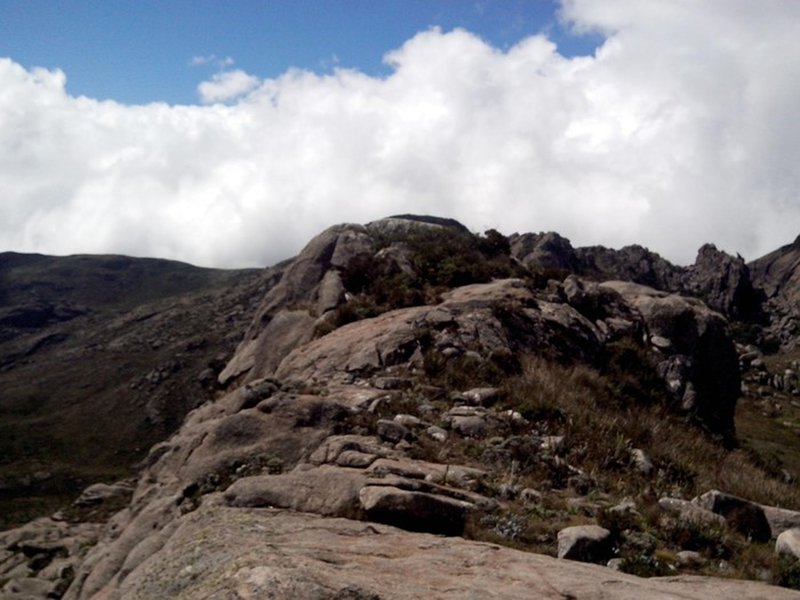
(440, 259)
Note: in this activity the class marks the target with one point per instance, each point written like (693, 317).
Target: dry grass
(602, 427)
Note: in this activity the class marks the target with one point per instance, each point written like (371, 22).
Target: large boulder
(742, 515)
(723, 282)
(327, 491)
(585, 543)
(781, 519)
(415, 511)
(689, 515)
(788, 543)
(699, 360)
(544, 251)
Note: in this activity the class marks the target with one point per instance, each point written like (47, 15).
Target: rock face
(721, 280)
(469, 319)
(265, 553)
(700, 363)
(724, 282)
(778, 275)
(545, 251)
(286, 317)
(631, 263)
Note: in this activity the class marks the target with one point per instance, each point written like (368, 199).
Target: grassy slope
(115, 380)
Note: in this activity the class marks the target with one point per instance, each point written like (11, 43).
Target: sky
(228, 134)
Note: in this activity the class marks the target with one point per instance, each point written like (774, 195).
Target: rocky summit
(404, 410)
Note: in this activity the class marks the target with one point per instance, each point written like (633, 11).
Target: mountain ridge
(419, 377)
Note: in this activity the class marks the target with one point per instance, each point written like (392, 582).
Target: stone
(788, 543)
(330, 449)
(391, 431)
(689, 559)
(690, 514)
(473, 427)
(437, 433)
(331, 292)
(414, 511)
(746, 517)
(465, 411)
(660, 342)
(265, 533)
(447, 474)
(482, 396)
(27, 588)
(327, 491)
(625, 515)
(391, 383)
(781, 519)
(551, 443)
(407, 420)
(530, 496)
(724, 282)
(101, 492)
(544, 251)
(355, 459)
(585, 543)
(615, 564)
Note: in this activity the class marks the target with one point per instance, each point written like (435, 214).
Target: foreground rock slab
(266, 553)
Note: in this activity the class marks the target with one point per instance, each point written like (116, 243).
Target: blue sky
(179, 129)
(138, 51)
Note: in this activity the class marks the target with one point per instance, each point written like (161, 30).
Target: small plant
(645, 566)
(787, 573)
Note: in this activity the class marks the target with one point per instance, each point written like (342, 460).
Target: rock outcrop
(778, 275)
(700, 364)
(722, 281)
(267, 553)
(342, 453)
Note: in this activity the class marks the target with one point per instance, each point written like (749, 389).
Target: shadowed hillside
(100, 357)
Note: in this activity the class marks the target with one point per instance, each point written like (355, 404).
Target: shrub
(440, 259)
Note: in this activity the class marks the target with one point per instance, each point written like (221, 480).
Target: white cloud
(681, 130)
(211, 59)
(226, 86)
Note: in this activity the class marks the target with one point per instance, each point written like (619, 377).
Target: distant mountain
(100, 357)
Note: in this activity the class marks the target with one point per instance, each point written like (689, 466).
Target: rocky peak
(407, 222)
(723, 281)
(548, 251)
(630, 263)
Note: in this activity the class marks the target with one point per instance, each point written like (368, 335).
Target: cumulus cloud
(681, 129)
(226, 86)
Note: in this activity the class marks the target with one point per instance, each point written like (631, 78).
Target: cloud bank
(681, 129)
